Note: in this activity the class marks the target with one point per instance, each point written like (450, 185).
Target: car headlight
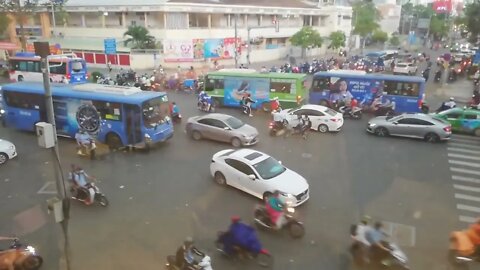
(372, 124)
(12, 147)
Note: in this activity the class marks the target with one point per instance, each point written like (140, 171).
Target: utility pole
(53, 16)
(43, 50)
(236, 43)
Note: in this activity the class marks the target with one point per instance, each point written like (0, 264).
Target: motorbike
(203, 106)
(88, 149)
(176, 117)
(204, 264)
(277, 128)
(385, 110)
(295, 228)
(452, 75)
(395, 258)
(438, 76)
(20, 256)
(355, 113)
(99, 197)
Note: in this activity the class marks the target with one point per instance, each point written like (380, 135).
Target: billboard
(236, 88)
(442, 6)
(199, 49)
(178, 50)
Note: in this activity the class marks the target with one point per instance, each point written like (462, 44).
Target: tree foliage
(379, 36)
(4, 22)
(366, 17)
(307, 37)
(139, 37)
(472, 20)
(410, 15)
(21, 11)
(337, 39)
(438, 26)
(394, 41)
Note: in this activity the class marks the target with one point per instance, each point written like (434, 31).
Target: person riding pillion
(79, 177)
(275, 207)
(185, 254)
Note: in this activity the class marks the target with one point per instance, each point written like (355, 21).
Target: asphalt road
(159, 198)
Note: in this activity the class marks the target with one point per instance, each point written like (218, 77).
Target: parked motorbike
(354, 113)
(395, 258)
(277, 128)
(20, 256)
(81, 195)
(295, 228)
(204, 264)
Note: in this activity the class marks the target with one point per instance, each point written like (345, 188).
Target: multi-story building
(187, 27)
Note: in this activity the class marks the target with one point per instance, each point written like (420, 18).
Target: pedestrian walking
(109, 66)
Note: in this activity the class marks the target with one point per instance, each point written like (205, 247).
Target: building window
(176, 20)
(339, 19)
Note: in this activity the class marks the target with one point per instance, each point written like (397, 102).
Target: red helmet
(235, 219)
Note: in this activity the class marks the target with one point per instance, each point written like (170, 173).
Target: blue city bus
(115, 115)
(407, 92)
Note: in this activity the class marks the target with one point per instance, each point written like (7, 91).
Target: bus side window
(58, 69)
(209, 84)
(23, 101)
(33, 66)
(108, 110)
(401, 88)
(219, 84)
(279, 87)
(321, 84)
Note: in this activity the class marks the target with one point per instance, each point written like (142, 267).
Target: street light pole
(236, 43)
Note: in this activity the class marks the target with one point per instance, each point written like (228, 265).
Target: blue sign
(411, 37)
(236, 88)
(476, 58)
(110, 45)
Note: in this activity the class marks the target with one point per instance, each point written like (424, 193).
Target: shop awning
(8, 46)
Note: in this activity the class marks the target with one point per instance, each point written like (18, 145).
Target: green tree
(307, 37)
(438, 26)
(379, 36)
(472, 20)
(21, 11)
(394, 41)
(337, 40)
(366, 19)
(139, 37)
(4, 23)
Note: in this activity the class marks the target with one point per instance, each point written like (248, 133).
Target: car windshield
(331, 112)
(155, 111)
(401, 65)
(269, 168)
(439, 121)
(234, 123)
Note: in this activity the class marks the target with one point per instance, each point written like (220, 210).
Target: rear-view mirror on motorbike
(252, 177)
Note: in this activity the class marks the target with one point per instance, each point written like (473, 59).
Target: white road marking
(464, 145)
(466, 179)
(468, 208)
(453, 169)
(467, 219)
(465, 163)
(463, 156)
(48, 188)
(463, 150)
(467, 197)
(463, 136)
(465, 139)
(467, 188)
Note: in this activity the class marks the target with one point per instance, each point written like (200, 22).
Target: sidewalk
(461, 90)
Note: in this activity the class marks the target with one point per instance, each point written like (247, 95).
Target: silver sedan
(412, 125)
(223, 128)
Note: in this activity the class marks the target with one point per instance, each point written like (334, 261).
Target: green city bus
(228, 86)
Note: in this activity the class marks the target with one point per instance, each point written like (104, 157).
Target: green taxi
(462, 120)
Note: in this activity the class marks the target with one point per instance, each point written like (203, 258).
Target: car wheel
(3, 158)
(432, 138)
(220, 178)
(196, 135)
(322, 128)
(381, 132)
(476, 132)
(236, 142)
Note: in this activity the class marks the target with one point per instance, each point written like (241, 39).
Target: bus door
(61, 117)
(133, 128)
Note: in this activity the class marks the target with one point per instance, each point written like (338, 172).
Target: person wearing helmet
(275, 105)
(450, 104)
(358, 235)
(185, 254)
(81, 184)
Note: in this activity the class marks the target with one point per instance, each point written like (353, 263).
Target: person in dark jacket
(184, 255)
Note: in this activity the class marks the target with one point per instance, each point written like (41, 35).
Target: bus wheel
(20, 78)
(266, 107)
(113, 141)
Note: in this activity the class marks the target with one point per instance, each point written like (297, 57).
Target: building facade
(181, 23)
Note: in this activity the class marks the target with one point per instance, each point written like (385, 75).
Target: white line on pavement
(466, 179)
(465, 163)
(464, 139)
(463, 150)
(467, 219)
(467, 197)
(453, 169)
(469, 137)
(463, 156)
(467, 188)
(468, 208)
(464, 145)
(48, 188)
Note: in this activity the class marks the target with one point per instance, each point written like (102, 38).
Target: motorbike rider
(376, 238)
(450, 104)
(84, 141)
(275, 208)
(184, 256)
(275, 105)
(247, 102)
(358, 234)
(174, 110)
(424, 107)
(205, 100)
(79, 178)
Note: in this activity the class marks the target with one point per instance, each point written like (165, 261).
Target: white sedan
(259, 174)
(323, 118)
(7, 151)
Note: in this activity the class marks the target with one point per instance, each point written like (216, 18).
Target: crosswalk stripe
(463, 150)
(464, 163)
(467, 188)
(467, 197)
(465, 139)
(468, 208)
(453, 169)
(466, 179)
(467, 219)
(463, 136)
(463, 156)
(464, 145)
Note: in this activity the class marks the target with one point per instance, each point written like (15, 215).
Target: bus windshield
(155, 111)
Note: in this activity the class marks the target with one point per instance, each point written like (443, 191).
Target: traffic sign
(110, 45)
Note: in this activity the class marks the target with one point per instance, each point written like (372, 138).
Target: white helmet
(452, 99)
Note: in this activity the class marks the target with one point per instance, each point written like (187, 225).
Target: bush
(95, 75)
(394, 41)
(4, 73)
(379, 36)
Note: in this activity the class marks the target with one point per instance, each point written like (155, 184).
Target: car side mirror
(395, 123)
(226, 128)
(252, 177)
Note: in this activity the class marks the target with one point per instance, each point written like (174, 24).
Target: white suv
(405, 69)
